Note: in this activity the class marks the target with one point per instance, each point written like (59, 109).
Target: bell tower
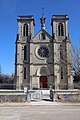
(22, 56)
(60, 26)
(62, 52)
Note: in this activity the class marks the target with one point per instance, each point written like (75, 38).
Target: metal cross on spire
(42, 20)
(42, 7)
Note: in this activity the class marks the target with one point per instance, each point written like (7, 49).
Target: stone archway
(43, 73)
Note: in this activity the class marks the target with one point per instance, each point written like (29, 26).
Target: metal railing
(7, 86)
(38, 86)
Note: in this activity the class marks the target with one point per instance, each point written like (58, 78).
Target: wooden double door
(43, 81)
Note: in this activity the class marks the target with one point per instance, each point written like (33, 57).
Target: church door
(43, 81)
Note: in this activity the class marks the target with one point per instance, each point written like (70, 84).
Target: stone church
(43, 60)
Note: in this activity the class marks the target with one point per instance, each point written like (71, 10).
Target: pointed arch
(61, 72)
(25, 52)
(61, 52)
(60, 29)
(25, 30)
(43, 71)
(24, 72)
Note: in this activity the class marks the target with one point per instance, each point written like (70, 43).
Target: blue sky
(10, 9)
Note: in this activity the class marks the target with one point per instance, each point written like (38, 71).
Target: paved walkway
(28, 111)
(42, 103)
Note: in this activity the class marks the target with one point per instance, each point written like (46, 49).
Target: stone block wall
(67, 96)
(13, 97)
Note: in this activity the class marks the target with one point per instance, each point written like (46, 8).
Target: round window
(43, 51)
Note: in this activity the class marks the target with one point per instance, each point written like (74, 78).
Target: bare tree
(7, 82)
(76, 62)
(0, 70)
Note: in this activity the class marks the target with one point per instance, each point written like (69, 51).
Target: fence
(40, 87)
(7, 86)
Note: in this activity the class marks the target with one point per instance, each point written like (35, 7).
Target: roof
(43, 31)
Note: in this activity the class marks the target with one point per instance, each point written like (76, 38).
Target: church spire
(42, 19)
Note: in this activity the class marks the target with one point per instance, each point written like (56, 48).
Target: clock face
(43, 51)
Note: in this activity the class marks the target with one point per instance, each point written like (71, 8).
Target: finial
(42, 7)
(42, 20)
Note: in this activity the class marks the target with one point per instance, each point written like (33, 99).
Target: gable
(42, 36)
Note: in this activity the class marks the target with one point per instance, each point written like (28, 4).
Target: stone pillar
(70, 79)
(56, 77)
(18, 85)
(69, 66)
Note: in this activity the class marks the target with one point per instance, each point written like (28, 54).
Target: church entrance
(43, 81)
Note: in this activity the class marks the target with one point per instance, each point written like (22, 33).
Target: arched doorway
(43, 81)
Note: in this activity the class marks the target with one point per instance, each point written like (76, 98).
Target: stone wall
(67, 96)
(59, 96)
(11, 97)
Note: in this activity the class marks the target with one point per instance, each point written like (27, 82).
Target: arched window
(62, 32)
(60, 29)
(61, 72)
(24, 72)
(25, 52)
(25, 30)
(43, 36)
(61, 52)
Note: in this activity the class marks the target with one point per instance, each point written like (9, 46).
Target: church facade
(42, 60)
